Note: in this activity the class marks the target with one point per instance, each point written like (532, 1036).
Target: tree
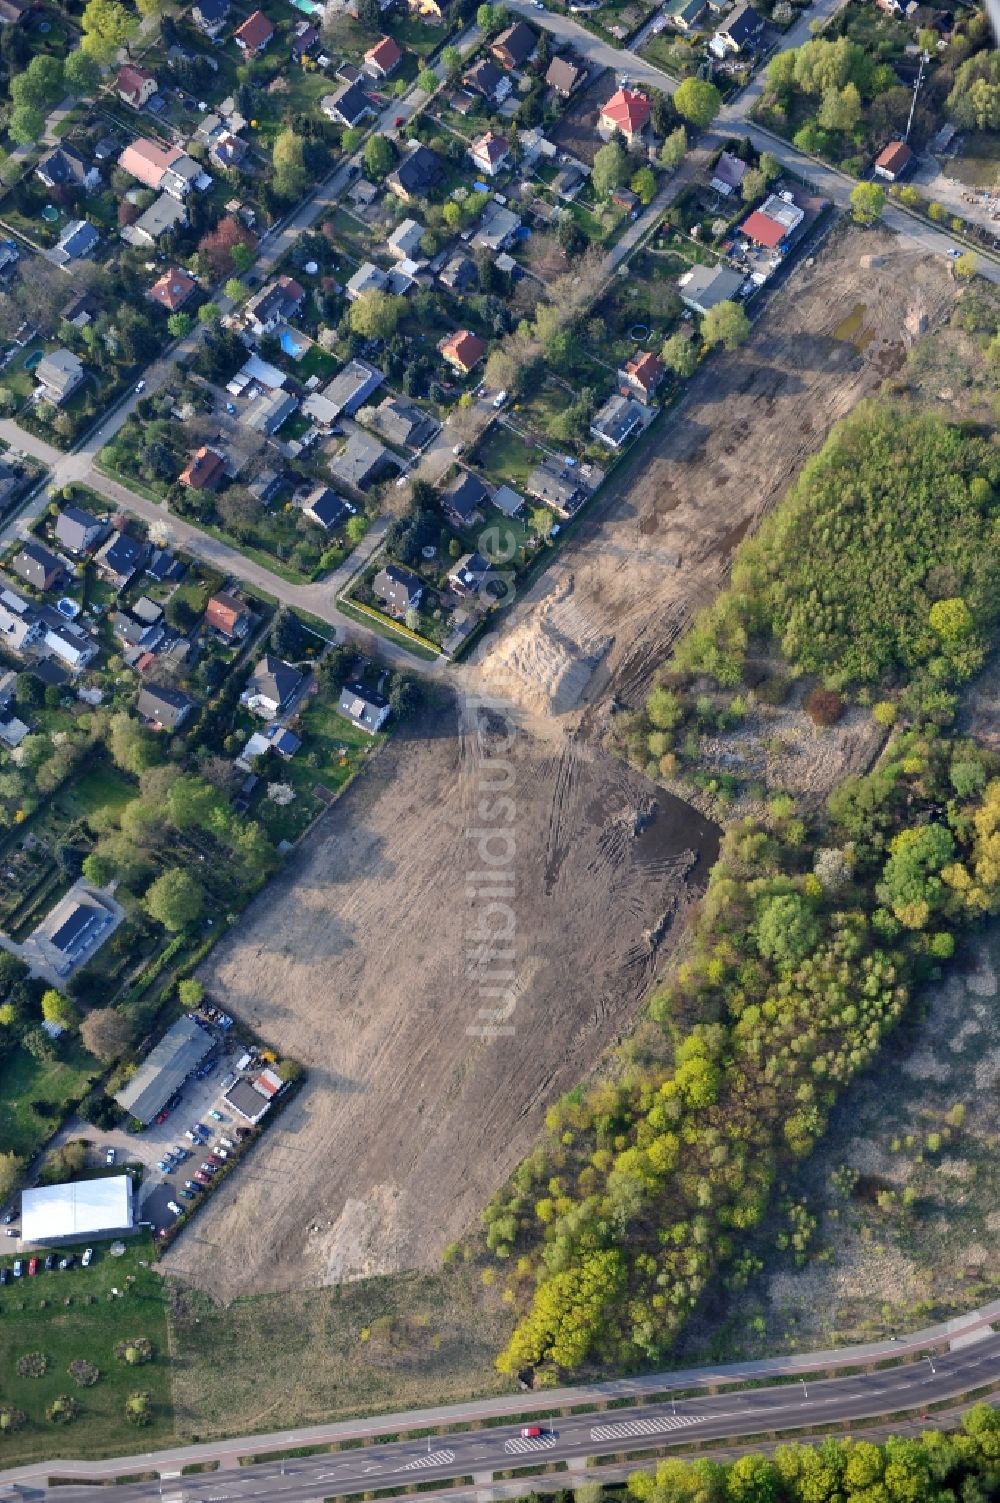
(139, 1406)
(235, 290)
(107, 27)
(787, 929)
(26, 125)
(179, 325)
(374, 314)
(680, 356)
(369, 15)
(610, 168)
(966, 266)
(753, 186)
(674, 149)
(726, 324)
(698, 102)
(10, 1171)
(379, 156)
(132, 747)
(209, 314)
(644, 184)
(541, 520)
(840, 109)
(58, 1009)
(220, 247)
(427, 80)
(502, 371)
(867, 203)
(106, 1033)
(291, 176)
(41, 85)
(190, 992)
(242, 256)
(175, 899)
(452, 60)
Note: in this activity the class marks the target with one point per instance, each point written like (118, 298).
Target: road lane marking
(433, 1458)
(645, 1426)
(519, 1444)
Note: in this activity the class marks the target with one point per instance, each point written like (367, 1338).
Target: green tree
(107, 27)
(610, 168)
(787, 929)
(179, 325)
(290, 175)
(175, 899)
(644, 184)
(753, 186)
(10, 1174)
(26, 125)
(190, 992)
(139, 1409)
(41, 85)
(966, 266)
(242, 257)
(911, 885)
(379, 156)
(726, 324)
(951, 620)
(840, 109)
(867, 203)
(235, 290)
(132, 747)
(674, 149)
(427, 80)
(209, 315)
(452, 60)
(698, 102)
(680, 356)
(106, 1033)
(58, 1009)
(374, 314)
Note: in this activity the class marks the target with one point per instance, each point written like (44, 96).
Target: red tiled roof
(491, 147)
(895, 156)
(172, 290)
(147, 161)
(223, 612)
(646, 370)
(763, 231)
(627, 110)
(131, 79)
(202, 470)
(255, 31)
(385, 54)
(463, 349)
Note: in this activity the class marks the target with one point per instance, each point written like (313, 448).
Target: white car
(500, 399)
(110, 1156)
(140, 386)
(173, 1206)
(88, 1257)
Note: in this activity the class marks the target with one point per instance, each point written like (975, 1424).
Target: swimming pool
(34, 359)
(293, 344)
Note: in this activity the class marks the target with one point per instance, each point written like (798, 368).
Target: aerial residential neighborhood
(499, 775)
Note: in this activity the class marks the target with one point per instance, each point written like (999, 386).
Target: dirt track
(661, 539)
(355, 960)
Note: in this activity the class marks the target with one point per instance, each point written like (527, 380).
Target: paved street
(972, 1361)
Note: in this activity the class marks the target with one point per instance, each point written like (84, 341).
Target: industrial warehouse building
(78, 1212)
(165, 1069)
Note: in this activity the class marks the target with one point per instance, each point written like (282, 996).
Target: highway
(798, 1403)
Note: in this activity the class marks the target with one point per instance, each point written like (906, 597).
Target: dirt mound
(546, 662)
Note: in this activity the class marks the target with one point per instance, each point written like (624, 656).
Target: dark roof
(121, 554)
(351, 102)
(362, 706)
(563, 76)
(63, 165)
(464, 494)
(326, 507)
(165, 1069)
(167, 707)
(418, 169)
(517, 43)
(744, 22)
(485, 77)
(275, 679)
(76, 923)
(36, 564)
(212, 11)
(72, 526)
(398, 586)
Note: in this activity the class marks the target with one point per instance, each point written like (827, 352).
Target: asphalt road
(795, 1404)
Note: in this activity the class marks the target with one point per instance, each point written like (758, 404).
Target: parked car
(140, 386)
(186, 1194)
(88, 1257)
(12, 1231)
(68, 1262)
(8, 1217)
(208, 1168)
(50, 1262)
(216, 1116)
(220, 1153)
(500, 399)
(201, 1176)
(191, 1137)
(110, 1156)
(164, 1167)
(32, 1267)
(4, 1275)
(530, 1432)
(227, 1143)
(18, 1268)
(173, 1206)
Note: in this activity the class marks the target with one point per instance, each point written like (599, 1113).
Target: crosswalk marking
(644, 1426)
(433, 1458)
(519, 1444)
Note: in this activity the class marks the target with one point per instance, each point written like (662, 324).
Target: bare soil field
(660, 540)
(577, 130)
(430, 1056)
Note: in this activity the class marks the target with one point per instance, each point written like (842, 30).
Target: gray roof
(363, 707)
(352, 386)
(275, 679)
(618, 419)
(360, 461)
(168, 707)
(367, 278)
(165, 1069)
(418, 169)
(402, 423)
(267, 412)
(708, 286)
(163, 215)
(36, 564)
(74, 527)
(350, 103)
(398, 587)
(464, 495)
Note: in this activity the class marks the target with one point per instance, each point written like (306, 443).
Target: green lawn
(73, 1314)
(332, 752)
(20, 381)
(101, 786)
(25, 1080)
(505, 457)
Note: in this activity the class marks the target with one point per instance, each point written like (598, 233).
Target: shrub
(823, 706)
(135, 1352)
(11, 1419)
(139, 1409)
(84, 1372)
(63, 1409)
(32, 1365)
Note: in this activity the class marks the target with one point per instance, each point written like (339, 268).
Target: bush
(139, 1409)
(11, 1419)
(32, 1365)
(63, 1409)
(84, 1372)
(823, 706)
(135, 1352)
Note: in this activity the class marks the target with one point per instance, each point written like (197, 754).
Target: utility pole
(924, 59)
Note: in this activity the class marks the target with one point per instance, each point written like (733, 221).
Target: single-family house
(173, 289)
(403, 424)
(626, 111)
(227, 614)
(227, 150)
(78, 240)
(470, 574)
(620, 419)
(363, 707)
(210, 17)
(275, 304)
(397, 590)
(163, 709)
(324, 507)
(485, 79)
(507, 501)
(643, 374)
(771, 224)
(462, 350)
(416, 174)
(459, 273)
(463, 498)
(164, 214)
(564, 76)
(269, 411)
(348, 106)
(352, 386)
(254, 35)
(76, 530)
(305, 40)
(135, 86)
(514, 46)
(266, 485)
(704, 287)
(58, 375)
(204, 471)
(558, 485)
(893, 161)
(80, 310)
(384, 58)
(427, 10)
(497, 227)
(66, 640)
(164, 567)
(685, 14)
(63, 167)
(21, 626)
(119, 558)
(490, 154)
(741, 32)
(165, 169)
(727, 174)
(38, 567)
(272, 686)
(360, 462)
(367, 278)
(404, 242)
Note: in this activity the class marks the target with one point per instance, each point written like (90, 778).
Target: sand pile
(546, 660)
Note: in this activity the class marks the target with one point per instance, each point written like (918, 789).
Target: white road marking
(519, 1444)
(628, 1428)
(433, 1458)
